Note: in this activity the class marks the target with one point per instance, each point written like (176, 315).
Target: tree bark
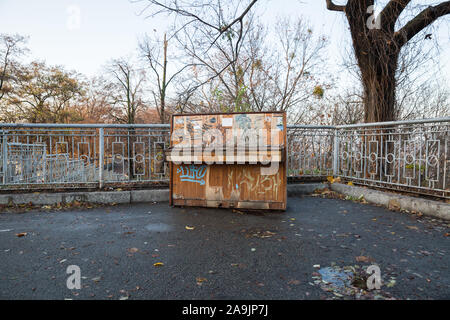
(379, 85)
(377, 48)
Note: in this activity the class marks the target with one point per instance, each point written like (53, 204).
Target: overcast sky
(110, 28)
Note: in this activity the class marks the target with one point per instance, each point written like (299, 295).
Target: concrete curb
(395, 201)
(99, 197)
(303, 189)
(392, 201)
(133, 196)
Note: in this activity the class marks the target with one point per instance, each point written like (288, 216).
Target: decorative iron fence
(411, 156)
(74, 156)
(310, 151)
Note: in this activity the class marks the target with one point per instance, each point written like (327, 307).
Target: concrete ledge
(395, 201)
(108, 197)
(133, 196)
(392, 201)
(159, 195)
(302, 189)
(99, 197)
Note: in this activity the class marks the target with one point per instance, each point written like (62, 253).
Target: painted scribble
(193, 173)
(259, 184)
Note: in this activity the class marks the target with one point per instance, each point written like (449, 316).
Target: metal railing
(410, 156)
(85, 155)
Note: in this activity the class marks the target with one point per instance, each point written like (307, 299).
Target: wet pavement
(319, 248)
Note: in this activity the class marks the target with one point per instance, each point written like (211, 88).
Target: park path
(153, 251)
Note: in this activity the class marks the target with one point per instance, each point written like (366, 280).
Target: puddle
(158, 227)
(346, 282)
(336, 277)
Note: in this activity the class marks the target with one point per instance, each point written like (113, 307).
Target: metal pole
(101, 157)
(5, 155)
(335, 153)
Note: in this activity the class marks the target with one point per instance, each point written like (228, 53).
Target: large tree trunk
(379, 84)
(377, 44)
(377, 54)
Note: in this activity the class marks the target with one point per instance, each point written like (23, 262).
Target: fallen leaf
(158, 264)
(190, 228)
(413, 227)
(22, 234)
(133, 250)
(391, 283)
(363, 259)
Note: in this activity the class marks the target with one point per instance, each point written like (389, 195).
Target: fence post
(336, 153)
(5, 155)
(101, 157)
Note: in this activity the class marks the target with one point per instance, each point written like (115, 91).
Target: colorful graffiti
(193, 173)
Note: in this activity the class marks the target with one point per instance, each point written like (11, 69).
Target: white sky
(110, 29)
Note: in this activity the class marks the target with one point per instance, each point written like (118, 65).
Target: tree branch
(421, 21)
(391, 12)
(333, 7)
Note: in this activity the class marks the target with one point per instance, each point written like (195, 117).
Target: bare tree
(221, 67)
(216, 15)
(95, 106)
(124, 89)
(11, 47)
(429, 100)
(258, 74)
(203, 24)
(156, 56)
(377, 45)
(286, 75)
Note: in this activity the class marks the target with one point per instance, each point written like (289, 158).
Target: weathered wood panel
(231, 185)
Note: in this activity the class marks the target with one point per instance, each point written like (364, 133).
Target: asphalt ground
(154, 251)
